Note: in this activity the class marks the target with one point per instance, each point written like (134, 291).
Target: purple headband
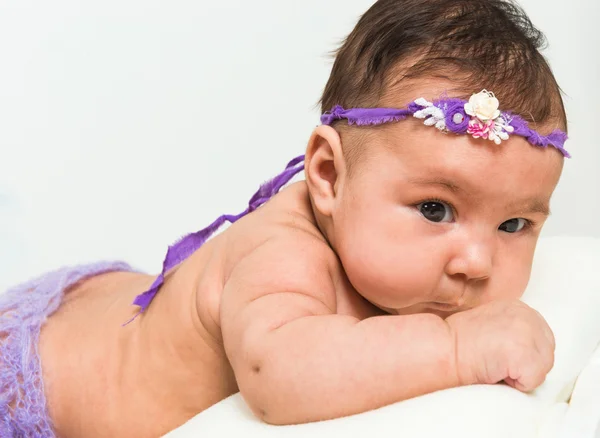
(479, 117)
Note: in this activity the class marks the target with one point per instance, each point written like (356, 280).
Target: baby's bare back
(146, 378)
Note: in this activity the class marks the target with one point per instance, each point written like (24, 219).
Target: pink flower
(478, 129)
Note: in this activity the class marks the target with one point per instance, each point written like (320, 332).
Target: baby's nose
(473, 260)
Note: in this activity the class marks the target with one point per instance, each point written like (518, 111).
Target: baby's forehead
(409, 152)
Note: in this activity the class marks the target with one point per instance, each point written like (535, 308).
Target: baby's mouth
(441, 306)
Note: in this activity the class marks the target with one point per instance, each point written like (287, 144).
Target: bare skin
(170, 364)
(336, 297)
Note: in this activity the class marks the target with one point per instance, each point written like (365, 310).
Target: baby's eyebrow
(533, 205)
(437, 181)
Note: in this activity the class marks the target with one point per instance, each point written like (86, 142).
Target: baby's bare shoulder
(285, 228)
(291, 256)
(290, 261)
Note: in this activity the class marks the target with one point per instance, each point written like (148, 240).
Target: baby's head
(425, 220)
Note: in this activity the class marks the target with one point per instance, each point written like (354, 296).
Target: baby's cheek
(510, 285)
(388, 279)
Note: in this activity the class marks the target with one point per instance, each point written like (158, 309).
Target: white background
(125, 124)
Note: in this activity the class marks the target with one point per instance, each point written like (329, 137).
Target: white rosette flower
(484, 106)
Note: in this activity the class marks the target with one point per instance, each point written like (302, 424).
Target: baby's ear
(325, 168)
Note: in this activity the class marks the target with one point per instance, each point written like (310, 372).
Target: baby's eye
(513, 225)
(436, 211)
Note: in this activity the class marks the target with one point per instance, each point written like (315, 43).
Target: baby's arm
(297, 361)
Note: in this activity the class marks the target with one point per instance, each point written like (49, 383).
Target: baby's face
(434, 222)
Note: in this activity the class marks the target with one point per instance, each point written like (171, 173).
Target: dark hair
(475, 44)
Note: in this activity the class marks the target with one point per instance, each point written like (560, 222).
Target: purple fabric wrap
(23, 310)
(186, 246)
(556, 138)
(450, 106)
(365, 116)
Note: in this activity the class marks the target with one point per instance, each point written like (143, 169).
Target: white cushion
(564, 288)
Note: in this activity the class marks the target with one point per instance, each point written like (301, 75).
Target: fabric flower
(457, 120)
(479, 129)
(483, 105)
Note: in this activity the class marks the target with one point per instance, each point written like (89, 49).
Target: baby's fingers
(528, 380)
(511, 382)
(523, 387)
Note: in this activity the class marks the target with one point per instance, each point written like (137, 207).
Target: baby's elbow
(265, 394)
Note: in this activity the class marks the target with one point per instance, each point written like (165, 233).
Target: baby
(393, 270)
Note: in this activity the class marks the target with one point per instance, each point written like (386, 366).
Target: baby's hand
(502, 341)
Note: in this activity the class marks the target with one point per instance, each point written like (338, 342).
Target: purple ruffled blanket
(23, 310)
